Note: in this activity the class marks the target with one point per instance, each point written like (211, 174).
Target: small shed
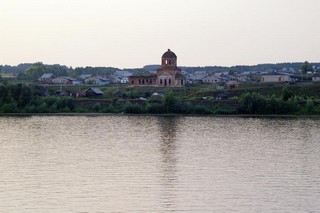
(93, 91)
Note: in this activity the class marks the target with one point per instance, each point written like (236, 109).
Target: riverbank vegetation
(263, 100)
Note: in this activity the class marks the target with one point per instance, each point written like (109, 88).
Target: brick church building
(168, 75)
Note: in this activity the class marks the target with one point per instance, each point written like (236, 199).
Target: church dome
(169, 54)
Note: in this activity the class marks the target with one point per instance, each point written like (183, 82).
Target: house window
(181, 82)
(132, 82)
(169, 81)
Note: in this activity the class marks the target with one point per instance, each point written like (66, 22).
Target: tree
(169, 101)
(286, 94)
(306, 67)
(35, 71)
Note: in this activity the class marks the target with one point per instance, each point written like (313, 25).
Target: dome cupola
(169, 58)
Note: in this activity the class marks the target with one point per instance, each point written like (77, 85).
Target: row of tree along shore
(267, 100)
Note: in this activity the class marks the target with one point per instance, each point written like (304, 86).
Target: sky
(134, 33)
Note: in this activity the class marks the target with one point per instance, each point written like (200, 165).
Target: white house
(124, 80)
(276, 78)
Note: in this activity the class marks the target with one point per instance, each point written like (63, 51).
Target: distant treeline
(34, 71)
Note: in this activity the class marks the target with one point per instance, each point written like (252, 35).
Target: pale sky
(133, 33)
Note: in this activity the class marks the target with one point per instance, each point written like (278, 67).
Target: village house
(168, 75)
(93, 92)
(97, 80)
(276, 78)
(316, 77)
(199, 75)
(232, 84)
(83, 77)
(66, 80)
(124, 80)
(212, 79)
(122, 74)
(46, 78)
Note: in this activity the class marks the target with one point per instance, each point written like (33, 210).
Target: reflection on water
(167, 128)
(159, 164)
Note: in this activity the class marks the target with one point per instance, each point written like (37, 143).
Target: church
(168, 75)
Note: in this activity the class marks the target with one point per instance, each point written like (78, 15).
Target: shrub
(96, 107)
(155, 108)
(133, 108)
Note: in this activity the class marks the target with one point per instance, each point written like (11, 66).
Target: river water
(159, 164)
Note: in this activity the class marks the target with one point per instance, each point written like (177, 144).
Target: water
(159, 164)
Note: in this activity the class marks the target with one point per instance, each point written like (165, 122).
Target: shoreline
(159, 115)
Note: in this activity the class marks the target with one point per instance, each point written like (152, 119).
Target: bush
(96, 107)
(202, 110)
(155, 108)
(109, 109)
(133, 108)
(169, 101)
(9, 108)
(310, 105)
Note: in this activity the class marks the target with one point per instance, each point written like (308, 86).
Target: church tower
(169, 75)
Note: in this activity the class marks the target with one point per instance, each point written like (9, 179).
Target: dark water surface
(159, 164)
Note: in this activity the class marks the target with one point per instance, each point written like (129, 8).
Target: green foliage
(35, 71)
(255, 103)
(286, 94)
(201, 110)
(306, 67)
(9, 108)
(96, 107)
(169, 101)
(310, 105)
(21, 98)
(155, 108)
(133, 108)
